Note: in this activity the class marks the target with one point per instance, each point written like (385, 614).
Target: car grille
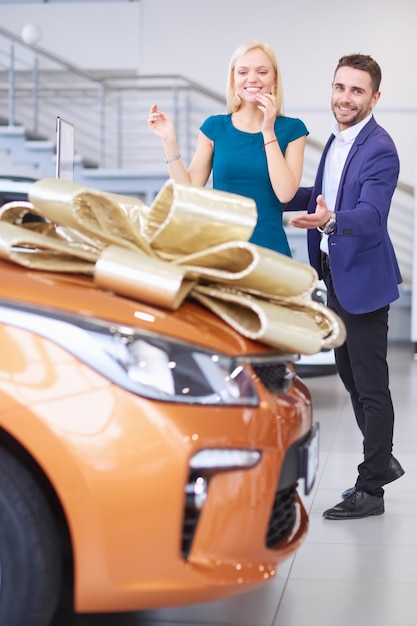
(281, 522)
(188, 530)
(275, 376)
(283, 516)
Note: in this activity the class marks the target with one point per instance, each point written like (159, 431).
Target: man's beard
(357, 116)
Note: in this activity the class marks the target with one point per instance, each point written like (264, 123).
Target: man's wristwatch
(330, 227)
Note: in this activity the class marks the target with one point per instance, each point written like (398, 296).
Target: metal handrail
(73, 69)
(107, 111)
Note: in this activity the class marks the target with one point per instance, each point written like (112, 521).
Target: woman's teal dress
(240, 166)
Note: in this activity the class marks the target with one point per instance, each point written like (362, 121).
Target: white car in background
(322, 363)
(14, 188)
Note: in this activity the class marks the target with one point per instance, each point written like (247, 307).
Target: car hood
(78, 294)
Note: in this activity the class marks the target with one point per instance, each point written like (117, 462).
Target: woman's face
(253, 74)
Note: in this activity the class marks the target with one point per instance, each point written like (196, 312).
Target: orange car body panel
(118, 462)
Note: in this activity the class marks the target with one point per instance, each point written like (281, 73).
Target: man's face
(352, 96)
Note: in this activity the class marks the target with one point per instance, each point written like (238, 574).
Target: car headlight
(166, 369)
(147, 364)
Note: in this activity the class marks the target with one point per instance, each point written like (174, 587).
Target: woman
(253, 150)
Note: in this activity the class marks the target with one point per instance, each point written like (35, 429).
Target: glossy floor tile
(357, 572)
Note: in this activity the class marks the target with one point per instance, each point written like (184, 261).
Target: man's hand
(318, 219)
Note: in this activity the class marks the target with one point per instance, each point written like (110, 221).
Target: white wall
(195, 38)
(92, 35)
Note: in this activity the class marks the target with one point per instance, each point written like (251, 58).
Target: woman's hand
(267, 105)
(160, 123)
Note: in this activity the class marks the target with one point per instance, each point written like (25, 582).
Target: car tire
(30, 554)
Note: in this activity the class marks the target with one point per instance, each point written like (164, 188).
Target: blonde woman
(253, 150)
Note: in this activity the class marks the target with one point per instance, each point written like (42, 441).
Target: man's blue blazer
(364, 267)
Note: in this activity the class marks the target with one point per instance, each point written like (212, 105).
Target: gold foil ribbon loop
(192, 242)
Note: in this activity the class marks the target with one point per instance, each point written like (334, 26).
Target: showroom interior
(108, 61)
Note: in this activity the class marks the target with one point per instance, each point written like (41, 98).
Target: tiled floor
(361, 572)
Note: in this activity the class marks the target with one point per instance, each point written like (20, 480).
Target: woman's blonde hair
(233, 101)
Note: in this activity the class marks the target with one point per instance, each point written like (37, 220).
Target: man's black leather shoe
(394, 471)
(360, 504)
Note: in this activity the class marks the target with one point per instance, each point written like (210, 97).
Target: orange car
(148, 457)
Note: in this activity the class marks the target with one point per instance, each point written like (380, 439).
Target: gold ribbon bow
(192, 242)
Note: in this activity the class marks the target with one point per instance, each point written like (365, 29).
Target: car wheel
(30, 554)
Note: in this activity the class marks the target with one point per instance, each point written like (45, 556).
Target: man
(349, 245)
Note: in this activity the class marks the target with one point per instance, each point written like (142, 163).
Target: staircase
(113, 144)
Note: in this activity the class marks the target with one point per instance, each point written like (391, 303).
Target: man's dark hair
(366, 64)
